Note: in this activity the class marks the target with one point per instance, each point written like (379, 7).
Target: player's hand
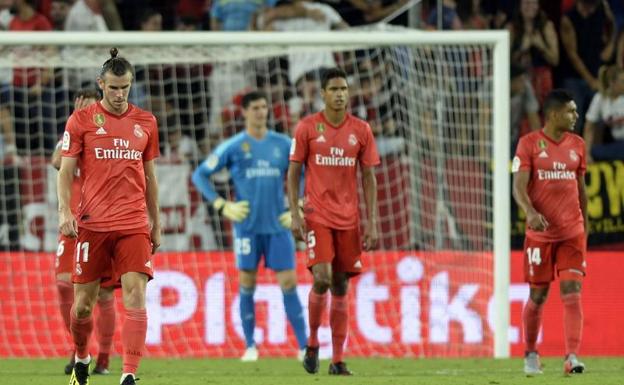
(68, 224)
(155, 238)
(371, 236)
(81, 102)
(297, 227)
(234, 211)
(285, 218)
(536, 221)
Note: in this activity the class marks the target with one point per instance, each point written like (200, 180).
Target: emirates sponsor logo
(559, 172)
(336, 158)
(121, 150)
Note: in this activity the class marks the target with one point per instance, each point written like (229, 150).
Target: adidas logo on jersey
(357, 264)
(101, 131)
(148, 264)
(321, 139)
(543, 154)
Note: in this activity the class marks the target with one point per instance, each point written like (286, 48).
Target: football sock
(81, 331)
(66, 299)
(294, 312)
(339, 322)
(531, 320)
(105, 327)
(572, 321)
(247, 314)
(316, 307)
(133, 339)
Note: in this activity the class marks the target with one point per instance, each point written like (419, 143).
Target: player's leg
(132, 263)
(64, 265)
(339, 321)
(247, 248)
(105, 328)
(246, 290)
(320, 254)
(538, 272)
(85, 295)
(92, 258)
(280, 257)
(348, 263)
(571, 269)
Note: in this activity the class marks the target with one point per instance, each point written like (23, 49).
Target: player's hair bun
(113, 52)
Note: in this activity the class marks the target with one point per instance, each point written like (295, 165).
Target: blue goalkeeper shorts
(278, 250)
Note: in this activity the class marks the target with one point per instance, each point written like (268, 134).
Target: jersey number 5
(534, 255)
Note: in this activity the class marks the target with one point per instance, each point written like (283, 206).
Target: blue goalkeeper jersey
(258, 169)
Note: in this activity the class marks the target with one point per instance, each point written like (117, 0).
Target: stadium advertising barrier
(605, 193)
(414, 304)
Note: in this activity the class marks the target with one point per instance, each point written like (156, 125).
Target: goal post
(442, 125)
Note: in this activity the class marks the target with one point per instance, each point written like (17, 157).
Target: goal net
(436, 287)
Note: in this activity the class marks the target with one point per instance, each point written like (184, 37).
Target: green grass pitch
(374, 371)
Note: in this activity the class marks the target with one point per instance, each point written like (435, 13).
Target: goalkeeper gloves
(235, 211)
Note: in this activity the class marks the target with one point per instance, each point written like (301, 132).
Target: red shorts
(341, 248)
(543, 259)
(65, 254)
(108, 255)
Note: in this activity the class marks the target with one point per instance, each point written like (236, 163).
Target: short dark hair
(251, 97)
(556, 99)
(88, 93)
(117, 65)
(332, 73)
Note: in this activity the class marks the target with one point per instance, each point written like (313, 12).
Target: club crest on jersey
(99, 119)
(542, 144)
(320, 127)
(352, 140)
(246, 148)
(573, 155)
(138, 132)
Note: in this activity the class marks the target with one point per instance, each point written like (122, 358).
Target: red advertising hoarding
(406, 304)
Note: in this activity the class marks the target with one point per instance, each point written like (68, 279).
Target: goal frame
(498, 40)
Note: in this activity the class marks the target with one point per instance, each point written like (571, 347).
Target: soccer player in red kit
(65, 263)
(549, 185)
(331, 144)
(117, 224)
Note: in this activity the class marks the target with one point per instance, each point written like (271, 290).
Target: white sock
(85, 360)
(124, 375)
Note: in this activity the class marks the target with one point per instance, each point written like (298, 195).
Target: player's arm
(151, 200)
(583, 201)
(55, 161)
(369, 183)
(235, 211)
(67, 223)
(535, 220)
(292, 183)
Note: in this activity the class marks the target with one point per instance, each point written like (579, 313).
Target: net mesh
(429, 106)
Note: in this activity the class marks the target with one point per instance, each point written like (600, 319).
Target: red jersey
(330, 155)
(555, 168)
(111, 149)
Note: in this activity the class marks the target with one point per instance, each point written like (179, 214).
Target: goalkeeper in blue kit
(257, 160)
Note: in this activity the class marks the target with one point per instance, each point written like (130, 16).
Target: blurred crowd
(575, 44)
